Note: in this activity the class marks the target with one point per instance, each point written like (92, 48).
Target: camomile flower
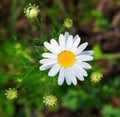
(66, 58)
(31, 11)
(68, 23)
(11, 93)
(96, 77)
(50, 100)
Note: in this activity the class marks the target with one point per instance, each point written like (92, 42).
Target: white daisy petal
(49, 55)
(66, 35)
(87, 52)
(75, 43)
(81, 48)
(68, 80)
(47, 65)
(84, 58)
(72, 77)
(55, 46)
(48, 46)
(62, 41)
(69, 42)
(61, 76)
(54, 70)
(82, 71)
(84, 65)
(51, 47)
(43, 61)
(77, 73)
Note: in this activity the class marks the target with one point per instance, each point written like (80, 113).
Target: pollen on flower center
(66, 58)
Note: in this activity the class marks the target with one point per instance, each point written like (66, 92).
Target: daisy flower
(66, 58)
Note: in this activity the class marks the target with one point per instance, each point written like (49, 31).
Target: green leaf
(97, 52)
(109, 111)
(97, 14)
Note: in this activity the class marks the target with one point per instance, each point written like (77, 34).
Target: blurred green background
(21, 46)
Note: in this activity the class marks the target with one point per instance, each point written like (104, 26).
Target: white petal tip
(82, 79)
(52, 40)
(50, 74)
(66, 33)
(41, 68)
(61, 35)
(68, 84)
(39, 61)
(74, 84)
(60, 84)
(45, 43)
(92, 57)
(43, 55)
(90, 67)
(92, 52)
(86, 43)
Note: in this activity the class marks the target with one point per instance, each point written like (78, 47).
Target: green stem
(52, 85)
(13, 16)
(27, 57)
(41, 27)
(110, 56)
(61, 30)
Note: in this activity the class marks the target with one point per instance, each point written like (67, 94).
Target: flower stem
(13, 16)
(41, 27)
(62, 28)
(111, 56)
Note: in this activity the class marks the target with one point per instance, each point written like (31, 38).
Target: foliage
(100, 20)
(109, 111)
(20, 54)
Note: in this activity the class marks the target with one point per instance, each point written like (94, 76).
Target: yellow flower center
(66, 58)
